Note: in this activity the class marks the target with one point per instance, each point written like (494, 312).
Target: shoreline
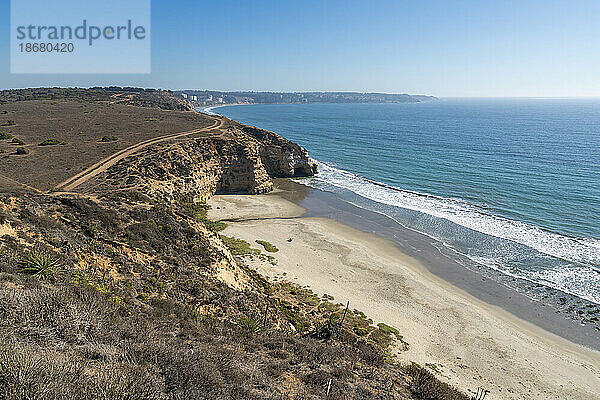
(471, 342)
(446, 264)
(516, 237)
(207, 110)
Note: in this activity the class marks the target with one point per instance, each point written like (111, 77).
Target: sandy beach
(208, 109)
(465, 341)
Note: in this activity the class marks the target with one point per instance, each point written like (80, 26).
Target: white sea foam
(578, 250)
(575, 280)
(209, 110)
(580, 281)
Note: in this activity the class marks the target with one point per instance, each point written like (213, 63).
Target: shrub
(17, 141)
(21, 151)
(360, 331)
(424, 386)
(390, 330)
(258, 278)
(38, 264)
(51, 142)
(109, 139)
(29, 373)
(268, 246)
(198, 212)
(238, 247)
(4, 136)
(249, 323)
(214, 226)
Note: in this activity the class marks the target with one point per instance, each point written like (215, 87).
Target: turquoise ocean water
(514, 185)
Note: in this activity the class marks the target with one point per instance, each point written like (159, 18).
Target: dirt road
(101, 166)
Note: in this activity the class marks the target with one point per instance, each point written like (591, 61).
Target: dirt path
(103, 165)
(16, 183)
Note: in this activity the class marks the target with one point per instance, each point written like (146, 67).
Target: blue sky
(530, 48)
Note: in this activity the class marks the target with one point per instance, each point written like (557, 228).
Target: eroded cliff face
(239, 159)
(281, 157)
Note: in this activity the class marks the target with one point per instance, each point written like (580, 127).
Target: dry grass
(69, 342)
(80, 126)
(135, 312)
(425, 386)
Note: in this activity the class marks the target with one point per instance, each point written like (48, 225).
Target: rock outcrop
(282, 158)
(240, 159)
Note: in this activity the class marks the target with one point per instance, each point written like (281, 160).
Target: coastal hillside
(115, 284)
(163, 99)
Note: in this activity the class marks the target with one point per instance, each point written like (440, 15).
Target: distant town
(209, 98)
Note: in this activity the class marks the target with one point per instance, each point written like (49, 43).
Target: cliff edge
(234, 159)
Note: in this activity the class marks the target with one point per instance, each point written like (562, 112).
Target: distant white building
(194, 98)
(184, 95)
(209, 98)
(220, 100)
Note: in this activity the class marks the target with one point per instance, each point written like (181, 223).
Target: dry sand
(471, 343)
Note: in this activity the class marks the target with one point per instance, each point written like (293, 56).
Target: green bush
(360, 331)
(389, 329)
(268, 246)
(4, 136)
(109, 139)
(214, 226)
(51, 142)
(238, 247)
(249, 323)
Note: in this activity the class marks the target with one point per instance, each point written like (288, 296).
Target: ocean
(513, 185)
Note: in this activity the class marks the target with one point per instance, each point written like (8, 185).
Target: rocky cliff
(238, 159)
(282, 158)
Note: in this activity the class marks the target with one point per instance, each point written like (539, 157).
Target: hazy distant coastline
(209, 97)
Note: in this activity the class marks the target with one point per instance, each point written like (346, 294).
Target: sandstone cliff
(282, 158)
(239, 159)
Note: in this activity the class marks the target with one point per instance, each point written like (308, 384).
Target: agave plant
(250, 323)
(38, 264)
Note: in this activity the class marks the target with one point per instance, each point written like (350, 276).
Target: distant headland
(210, 97)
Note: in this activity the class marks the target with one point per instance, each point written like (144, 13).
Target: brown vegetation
(127, 306)
(80, 125)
